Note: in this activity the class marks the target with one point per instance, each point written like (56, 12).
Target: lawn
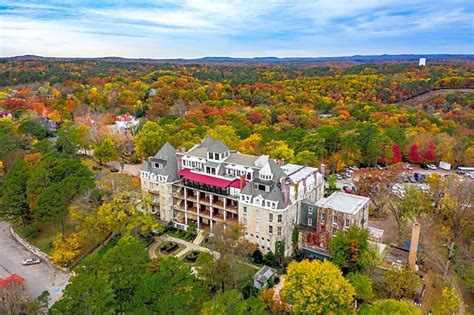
(42, 235)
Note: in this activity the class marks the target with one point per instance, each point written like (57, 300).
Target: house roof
(275, 193)
(264, 273)
(342, 202)
(167, 156)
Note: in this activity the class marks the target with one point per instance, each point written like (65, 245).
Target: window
(245, 210)
(310, 221)
(279, 231)
(334, 219)
(270, 229)
(310, 210)
(270, 217)
(348, 222)
(323, 217)
(280, 218)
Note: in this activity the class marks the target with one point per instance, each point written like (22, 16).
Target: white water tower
(422, 62)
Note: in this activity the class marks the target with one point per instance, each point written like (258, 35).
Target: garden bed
(181, 234)
(168, 248)
(191, 257)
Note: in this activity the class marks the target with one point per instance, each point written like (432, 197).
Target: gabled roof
(218, 147)
(276, 170)
(167, 156)
(275, 193)
(206, 143)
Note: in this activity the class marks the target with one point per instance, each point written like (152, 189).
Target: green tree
(106, 151)
(14, 203)
(390, 307)
(305, 158)
(72, 138)
(362, 285)
(317, 288)
(86, 294)
(351, 250)
(125, 265)
(150, 139)
(232, 302)
(401, 283)
(314, 143)
(10, 143)
(171, 289)
(34, 128)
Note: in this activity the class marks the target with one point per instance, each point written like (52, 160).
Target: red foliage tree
(397, 154)
(414, 155)
(429, 155)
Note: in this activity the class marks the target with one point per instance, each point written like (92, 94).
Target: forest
(338, 114)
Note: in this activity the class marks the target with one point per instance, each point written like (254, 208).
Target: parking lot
(37, 277)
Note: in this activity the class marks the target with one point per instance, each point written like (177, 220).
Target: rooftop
(264, 274)
(342, 202)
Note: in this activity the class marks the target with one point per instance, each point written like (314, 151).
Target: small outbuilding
(264, 277)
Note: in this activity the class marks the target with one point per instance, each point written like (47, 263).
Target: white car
(31, 261)
(431, 167)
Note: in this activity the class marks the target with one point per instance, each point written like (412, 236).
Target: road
(37, 277)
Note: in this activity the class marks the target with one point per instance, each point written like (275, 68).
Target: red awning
(205, 179)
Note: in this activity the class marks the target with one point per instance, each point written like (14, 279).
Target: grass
(245, 273)
(45, 236)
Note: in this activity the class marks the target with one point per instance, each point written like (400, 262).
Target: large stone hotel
(210, 185)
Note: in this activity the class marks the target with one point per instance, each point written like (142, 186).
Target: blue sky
(189, 29)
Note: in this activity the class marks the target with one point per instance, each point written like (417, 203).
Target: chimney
(183, 150)
(415, 238)
(286, 192)
(323, 169)
(242, 182)
(180, 164)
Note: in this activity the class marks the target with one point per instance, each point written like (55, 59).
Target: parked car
(349, 170)
(31, 261)
(431, 167)
(412, 180)
(338, 176)
(348, 175)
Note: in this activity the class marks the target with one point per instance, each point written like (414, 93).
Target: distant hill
(270, 59)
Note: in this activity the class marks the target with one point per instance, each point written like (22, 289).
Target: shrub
(31, 231)
(192, 256)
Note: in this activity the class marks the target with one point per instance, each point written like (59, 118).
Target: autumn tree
(351, 250)
(414, 155)
(401, 283)
(449, 301)
(317, 288)
(279, 150)
(231, 244)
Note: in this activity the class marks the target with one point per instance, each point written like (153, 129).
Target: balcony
(218, 204)
(232, 208)
(205, 201)
(192, 209)
(193, 198)
(205, 213)
(231, 220)
(218, 215)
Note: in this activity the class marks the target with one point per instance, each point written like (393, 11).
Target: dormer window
(158, 165)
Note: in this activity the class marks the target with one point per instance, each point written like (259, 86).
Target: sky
(199, 28)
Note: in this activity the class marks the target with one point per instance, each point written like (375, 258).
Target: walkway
(189, 247)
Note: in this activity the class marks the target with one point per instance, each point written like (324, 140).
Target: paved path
(130, 169)
(37, 277)
(189, 247)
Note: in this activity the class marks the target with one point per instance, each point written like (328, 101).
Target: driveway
(189, 247)
(37, 277)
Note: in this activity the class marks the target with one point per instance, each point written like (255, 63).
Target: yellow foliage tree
(67, 249)
(315, 287)
(449, 301)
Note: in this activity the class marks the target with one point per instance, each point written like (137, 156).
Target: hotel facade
(211, 185)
